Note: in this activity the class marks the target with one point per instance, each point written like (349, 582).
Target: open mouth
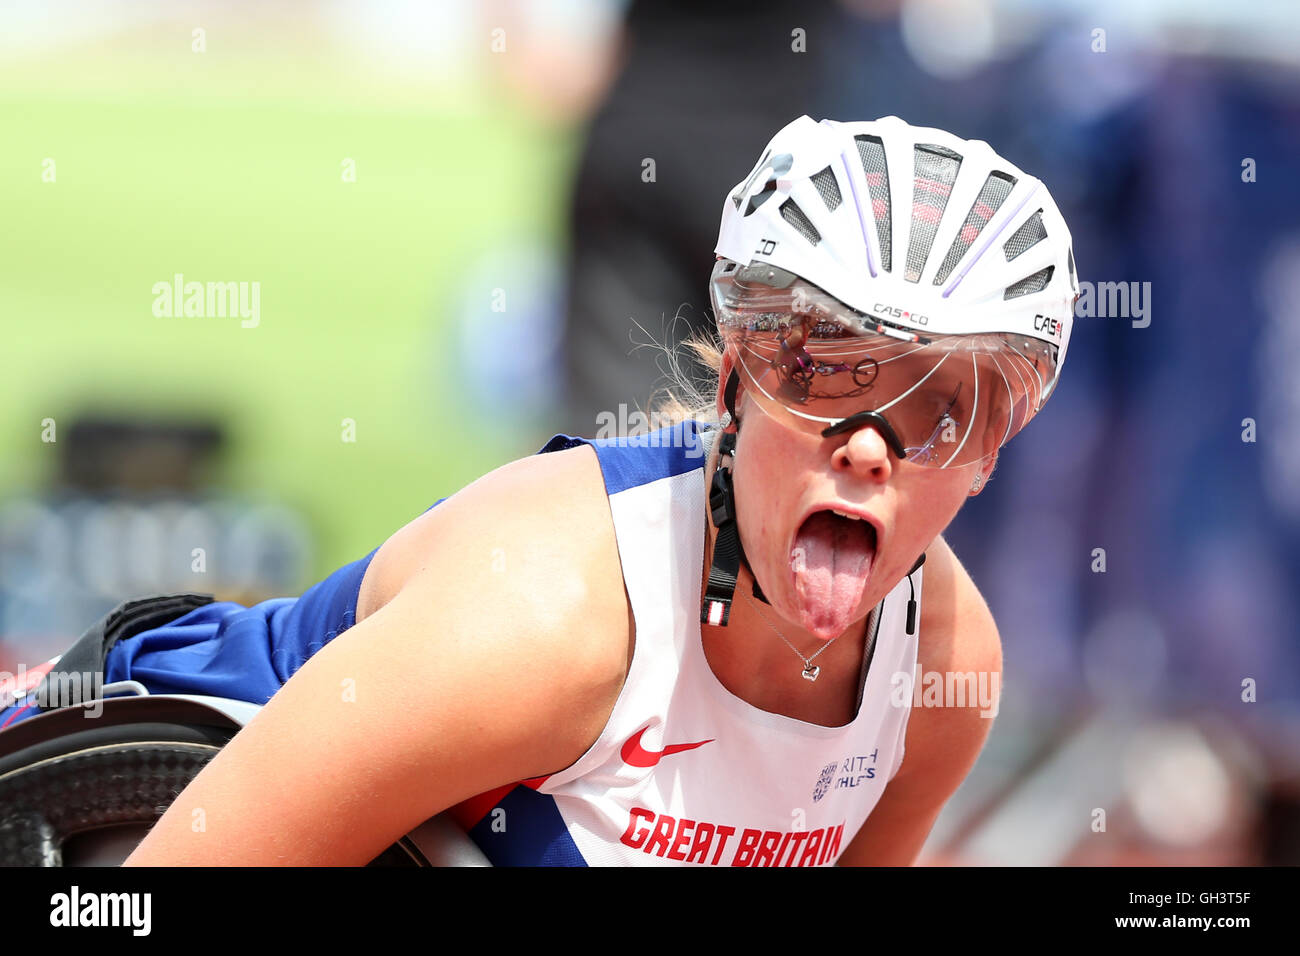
(831, 561)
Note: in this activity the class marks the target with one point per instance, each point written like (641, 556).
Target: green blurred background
(227, 164)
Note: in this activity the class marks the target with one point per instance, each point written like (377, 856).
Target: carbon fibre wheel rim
(48, 802)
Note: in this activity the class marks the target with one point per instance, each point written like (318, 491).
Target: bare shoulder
(958, 642)
(527, 560)
(493, 649)
(957, 627)
(542, 521)
(534, 542)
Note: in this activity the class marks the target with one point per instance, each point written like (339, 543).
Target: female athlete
(696, 646)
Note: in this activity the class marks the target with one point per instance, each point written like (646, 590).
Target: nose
(866, 453)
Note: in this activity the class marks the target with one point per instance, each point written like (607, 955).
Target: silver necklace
(810, 670)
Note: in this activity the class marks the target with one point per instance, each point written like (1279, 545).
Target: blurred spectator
(703, 86)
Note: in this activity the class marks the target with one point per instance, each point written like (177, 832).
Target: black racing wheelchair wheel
(88, 798)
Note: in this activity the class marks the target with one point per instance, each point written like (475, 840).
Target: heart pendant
(811, 671)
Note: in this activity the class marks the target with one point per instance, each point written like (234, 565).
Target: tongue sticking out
(831, 560)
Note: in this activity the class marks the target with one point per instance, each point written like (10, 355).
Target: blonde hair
(688, 395)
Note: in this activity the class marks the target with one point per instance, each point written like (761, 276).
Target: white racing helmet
(896, 274)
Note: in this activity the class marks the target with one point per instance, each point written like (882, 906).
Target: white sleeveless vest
(685, 772)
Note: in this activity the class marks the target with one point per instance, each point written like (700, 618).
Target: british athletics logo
(854, 771)
(824, 782)
(715, 844)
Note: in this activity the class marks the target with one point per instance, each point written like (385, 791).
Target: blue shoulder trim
(633, 460)
(537, 834)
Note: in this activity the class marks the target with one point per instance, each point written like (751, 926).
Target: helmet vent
(993, 193)
(792, 214)
(739, 194)
(829, 189)
(1033, 283)
(774, 167)
(760, 197)
(1027, 236)
(871, 150)
(934, 170)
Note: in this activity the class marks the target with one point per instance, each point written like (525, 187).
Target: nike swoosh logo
(637, 756)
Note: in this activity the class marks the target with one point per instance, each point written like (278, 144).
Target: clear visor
(811, 362)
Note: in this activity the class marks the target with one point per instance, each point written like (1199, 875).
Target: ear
(981, 479)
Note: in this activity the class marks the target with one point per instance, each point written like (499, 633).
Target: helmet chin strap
(728, 552)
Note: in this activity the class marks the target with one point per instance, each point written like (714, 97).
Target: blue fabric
(639, 459)
(227, 650)
(247, 653)
(16, 713)
(533, 834)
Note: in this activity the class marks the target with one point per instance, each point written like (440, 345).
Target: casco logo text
(1044, 323)
(893, 311)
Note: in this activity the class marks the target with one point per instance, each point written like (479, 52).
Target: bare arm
(472, 676)
(957, 634)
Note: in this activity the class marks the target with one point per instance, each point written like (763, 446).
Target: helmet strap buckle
(728, 552)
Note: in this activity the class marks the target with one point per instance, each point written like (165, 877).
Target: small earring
(975, 485)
